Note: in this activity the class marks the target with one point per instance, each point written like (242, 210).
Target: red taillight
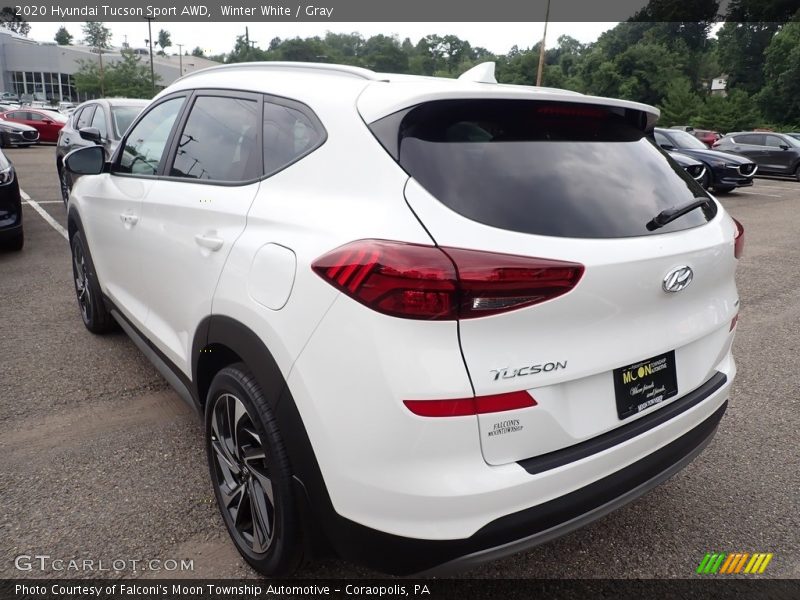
(738, 240)
(733, 322)
(479, 405)
(425, 282)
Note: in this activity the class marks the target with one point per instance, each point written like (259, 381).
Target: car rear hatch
(635, 314)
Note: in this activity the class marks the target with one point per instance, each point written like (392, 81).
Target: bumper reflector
(461, 407)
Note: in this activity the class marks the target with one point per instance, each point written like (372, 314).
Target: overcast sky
(216, 38)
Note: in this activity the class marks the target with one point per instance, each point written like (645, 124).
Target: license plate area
(646, 383)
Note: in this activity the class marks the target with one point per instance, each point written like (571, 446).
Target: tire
(724, 189)
(94, 313)
(15, 243)
(64, 184)
(4, 143)
(797, 172)
(244, 461)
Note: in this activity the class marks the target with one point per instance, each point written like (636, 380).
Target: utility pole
(150, 41)
(541, 50)
(180, 56)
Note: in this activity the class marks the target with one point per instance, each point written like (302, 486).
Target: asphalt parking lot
(102, 461)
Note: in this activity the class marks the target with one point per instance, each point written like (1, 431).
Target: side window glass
(32, 116)
(219, 141)
(86, 117)
(752, 139)
(99, 121)
(661, 139)
(288, 135)
(75, 117)
(774, 141)
(145, 144)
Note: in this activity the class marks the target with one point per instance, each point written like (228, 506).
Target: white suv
(429, 322)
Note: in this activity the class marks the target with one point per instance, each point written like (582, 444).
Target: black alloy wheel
(243, 478)
(65, 185)
(95, 316)
(250, 473)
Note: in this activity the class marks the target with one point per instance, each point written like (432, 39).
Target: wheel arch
(220, 341)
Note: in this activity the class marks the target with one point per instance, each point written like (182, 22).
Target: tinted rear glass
(565, 170)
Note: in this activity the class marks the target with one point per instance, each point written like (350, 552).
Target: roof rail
(291, 66)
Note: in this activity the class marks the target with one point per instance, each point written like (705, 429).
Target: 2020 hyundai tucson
(428, 322)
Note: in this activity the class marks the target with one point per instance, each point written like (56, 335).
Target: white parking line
(785, 189)
(45, 202)
(759, 194)
(45, 215)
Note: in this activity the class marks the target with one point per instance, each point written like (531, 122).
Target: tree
(63, 37)
(741, 53)
(198, 52)
(10, 20)
(164, 40)
(383, 53)
(780, 96)
(126, 77)
(98, 36)
(681, 105)
(735, 112)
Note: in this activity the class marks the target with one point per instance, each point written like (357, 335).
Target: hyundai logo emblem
(678, 279)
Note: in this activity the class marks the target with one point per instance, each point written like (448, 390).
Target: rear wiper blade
(670, 214)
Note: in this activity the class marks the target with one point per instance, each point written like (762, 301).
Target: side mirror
(47, 121)
(784, 147)
(90, 160)
(91, 134)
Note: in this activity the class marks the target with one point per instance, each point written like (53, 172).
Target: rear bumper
(543, 522)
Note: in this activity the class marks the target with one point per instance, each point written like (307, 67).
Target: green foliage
(655, 58)
(127, 78)
(736, 112)
(164, 40)
(681, 104)
(96, 35)
(780, 97)
(63, 37)
(741, 53)
(198, 51)
(10, 20)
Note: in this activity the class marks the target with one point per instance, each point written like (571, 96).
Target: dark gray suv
(775, 153)
(101, 122)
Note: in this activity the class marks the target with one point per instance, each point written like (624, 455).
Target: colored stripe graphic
(729, 562)
(740, 564)
(733, 563)
(703, 563)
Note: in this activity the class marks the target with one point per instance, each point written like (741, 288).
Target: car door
(71, 137)
(777, 156)
(750, 145)
(23, 116)
(100, 122)
(194, 213)
(111, 209)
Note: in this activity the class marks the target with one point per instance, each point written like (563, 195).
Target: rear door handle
(129, 218)
(207, 240)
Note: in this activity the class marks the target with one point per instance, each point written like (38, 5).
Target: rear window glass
(565, 170)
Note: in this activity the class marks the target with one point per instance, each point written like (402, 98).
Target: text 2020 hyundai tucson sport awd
(428, 322)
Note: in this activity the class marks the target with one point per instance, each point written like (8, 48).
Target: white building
(43, 70)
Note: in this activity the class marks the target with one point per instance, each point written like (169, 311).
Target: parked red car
(706, 136)
(48, 123)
